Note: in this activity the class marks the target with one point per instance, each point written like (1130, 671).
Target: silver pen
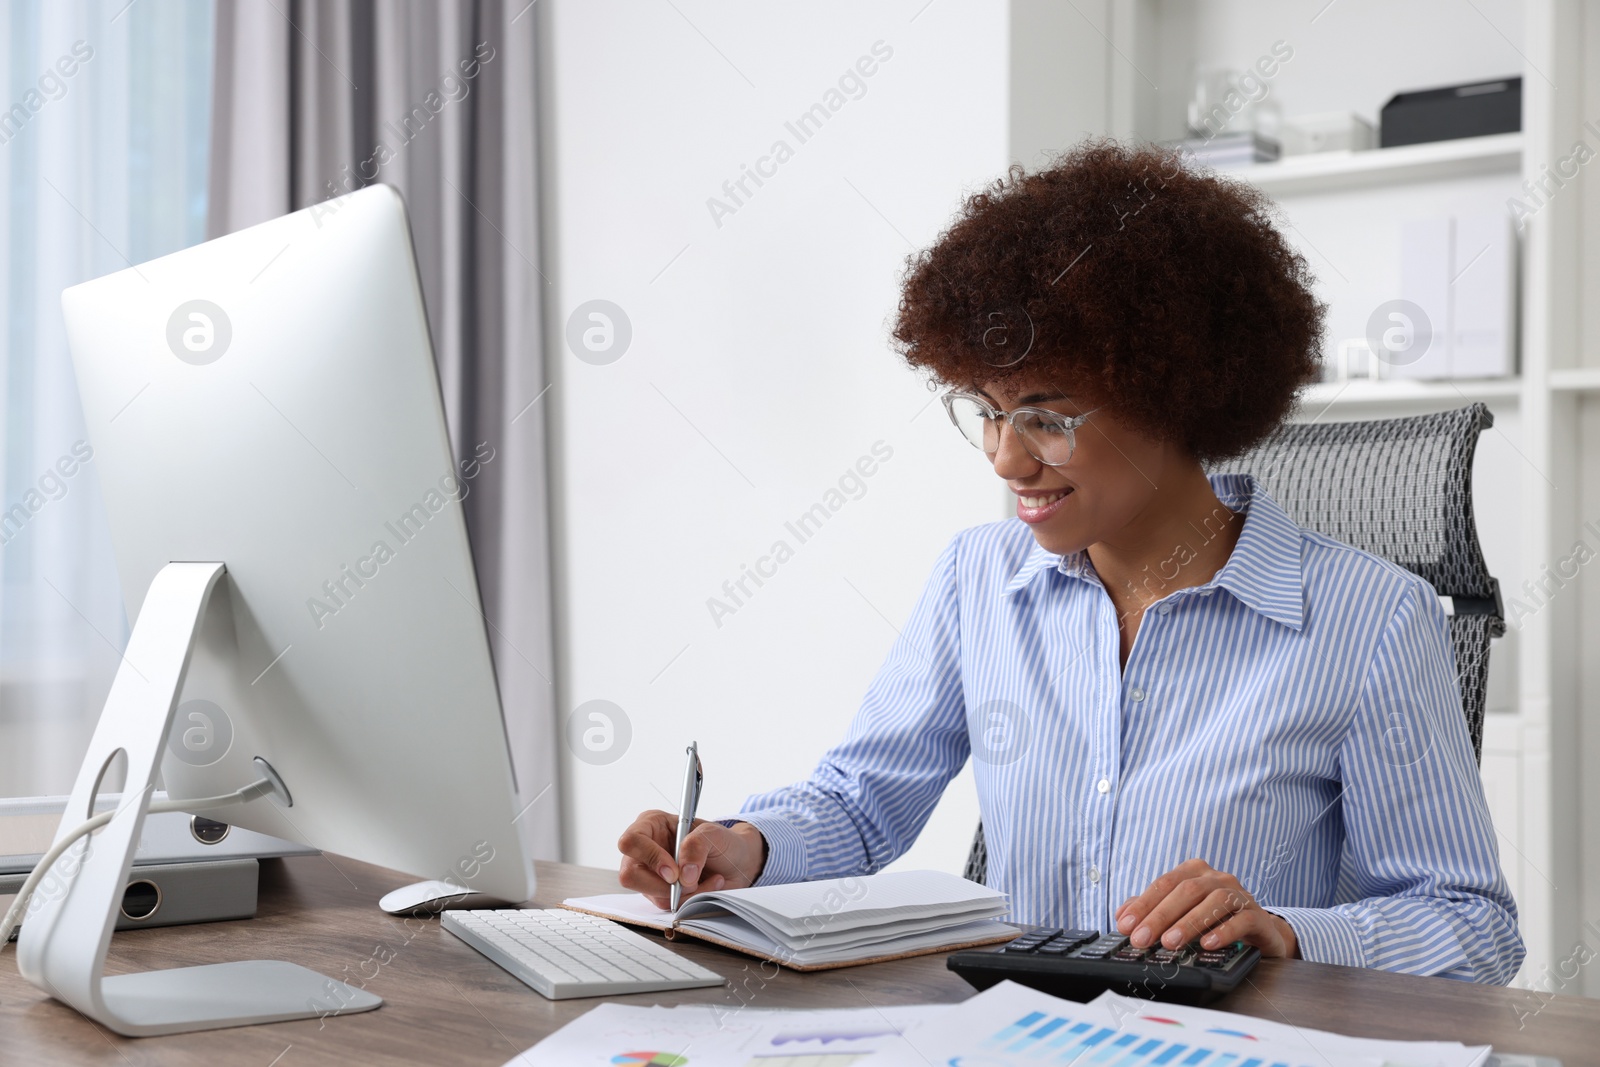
(692, 779)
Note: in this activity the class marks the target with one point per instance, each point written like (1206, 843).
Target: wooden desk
(446, 1004)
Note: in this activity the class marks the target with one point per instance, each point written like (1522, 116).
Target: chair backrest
(1400, 489)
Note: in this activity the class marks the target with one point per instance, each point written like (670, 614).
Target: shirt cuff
(1324, 935)
(786, 847)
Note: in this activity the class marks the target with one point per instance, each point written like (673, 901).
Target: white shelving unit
(1537, 475)
(1341, 171)
(1575, 379)
(1398, 393)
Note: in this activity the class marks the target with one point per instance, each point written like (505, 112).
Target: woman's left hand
(1195, 900)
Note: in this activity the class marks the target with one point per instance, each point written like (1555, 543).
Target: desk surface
(446, 1004)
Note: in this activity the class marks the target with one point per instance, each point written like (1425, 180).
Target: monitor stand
(62, 945)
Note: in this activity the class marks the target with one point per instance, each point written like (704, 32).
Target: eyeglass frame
(1066, 423)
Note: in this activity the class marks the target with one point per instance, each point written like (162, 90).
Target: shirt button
(1136, 693)
(1094, 875)
(1165, 609)
(1103, 785)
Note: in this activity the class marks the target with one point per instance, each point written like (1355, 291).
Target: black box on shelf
(1455, 111)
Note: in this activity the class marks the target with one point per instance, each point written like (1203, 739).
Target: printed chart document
(1009, 1024)
(836, 922)
(710, 1035)
(1000, 1027)
(1303, 1039)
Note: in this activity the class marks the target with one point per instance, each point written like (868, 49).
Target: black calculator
(1081, 964)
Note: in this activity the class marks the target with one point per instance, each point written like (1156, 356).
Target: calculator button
(1021, 946)
(1220, 959)
(1031, 940)
(1101, 947)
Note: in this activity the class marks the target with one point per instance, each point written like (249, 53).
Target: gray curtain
(437, 98)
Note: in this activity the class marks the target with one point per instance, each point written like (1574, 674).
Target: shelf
(1576, 379)
(1399, 393)
(1322, 172)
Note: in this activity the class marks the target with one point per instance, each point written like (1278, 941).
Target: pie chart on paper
(650, 1059)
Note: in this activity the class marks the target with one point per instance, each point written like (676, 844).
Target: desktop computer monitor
(287, 517)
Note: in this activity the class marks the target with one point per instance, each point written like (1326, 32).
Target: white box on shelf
(1329, 131)
(1483, 298)
(1417, 345)
(1460, 274)
(1351, 360)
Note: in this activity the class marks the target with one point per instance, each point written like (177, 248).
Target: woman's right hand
(714, 856)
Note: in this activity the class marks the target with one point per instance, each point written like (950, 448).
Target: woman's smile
(1037, 505)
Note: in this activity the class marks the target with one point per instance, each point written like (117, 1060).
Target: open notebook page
(848, 902)
(806, 952)
(851, 903)
(625, 907)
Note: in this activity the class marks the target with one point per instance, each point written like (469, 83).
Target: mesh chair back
(1400, 489)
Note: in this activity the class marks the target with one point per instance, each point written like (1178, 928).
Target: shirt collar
(1037, 560)
(1264, 572)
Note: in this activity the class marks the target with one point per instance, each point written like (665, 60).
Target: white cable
(250, 792)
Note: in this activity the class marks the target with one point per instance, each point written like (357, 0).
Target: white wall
(1061, 75)
(758, 372)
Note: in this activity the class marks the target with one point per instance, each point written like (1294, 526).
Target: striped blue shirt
(1294, 722)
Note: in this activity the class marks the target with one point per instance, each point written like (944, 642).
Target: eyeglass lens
(1046, 440)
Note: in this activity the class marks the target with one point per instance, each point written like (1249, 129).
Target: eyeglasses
(1047, 435)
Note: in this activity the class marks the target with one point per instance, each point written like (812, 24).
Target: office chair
(1400, 489)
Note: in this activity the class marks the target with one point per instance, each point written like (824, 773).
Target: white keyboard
(564, 954)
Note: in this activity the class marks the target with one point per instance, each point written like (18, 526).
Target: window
(103, 153)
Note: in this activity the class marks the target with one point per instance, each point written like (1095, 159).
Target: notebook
(835, 922)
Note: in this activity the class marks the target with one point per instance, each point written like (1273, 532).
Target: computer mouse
(434, 896)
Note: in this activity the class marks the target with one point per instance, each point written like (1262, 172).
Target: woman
(1189, 718)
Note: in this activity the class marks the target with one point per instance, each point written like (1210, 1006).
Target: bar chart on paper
(712, 1035)
(1041, 1037)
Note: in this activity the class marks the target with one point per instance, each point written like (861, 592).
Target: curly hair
(1159, 290)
